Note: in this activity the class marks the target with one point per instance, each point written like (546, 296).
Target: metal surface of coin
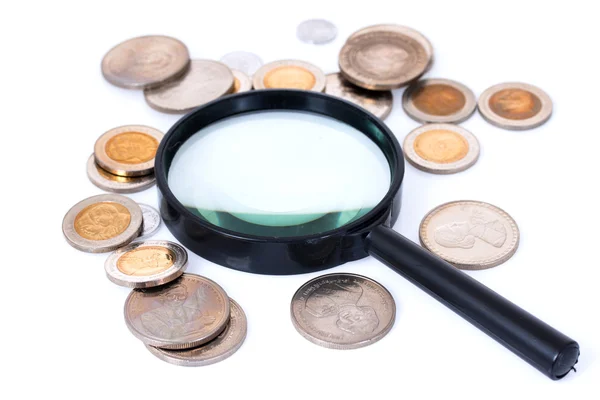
(151, 220)
(378, 103)
(242, 82)
(405, 30)
(115, 183)
(383, 60)
(441, 148)
(438, 100)
(289, 74)
(316, 31)
(145, 61)
(515, 106)
(128, 150)
(218, 349)
(190, 311)
(206, 80)
(343, 311)
(146, 264)
(470, 234)
(102, 223)
(243, 61)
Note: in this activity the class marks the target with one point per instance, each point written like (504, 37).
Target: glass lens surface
(279, 174)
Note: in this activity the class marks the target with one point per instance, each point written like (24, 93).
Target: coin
(128, 150)
(515, 106)
(383, 60)
(145, 61)
(151, 220)
(441, 148)
(190, 311)
(206, 80)
(289, 74)
(115, 183)
(146, 264)
(102, 223)
(242, 82)
(378, 103)
(218, 349)
(316, 31)
(470, 234)
(438, 100)
(343, 311)
(243, 61)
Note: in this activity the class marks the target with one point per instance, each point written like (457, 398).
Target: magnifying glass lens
(279, 173)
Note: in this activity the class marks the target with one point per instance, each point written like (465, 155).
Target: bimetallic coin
(151, 220)
(343, 311)
(145, 61)
(515, 106)
(378, 103)
(438, 100)
(289, 74)
(146, 264)
(218, 349)
(185, 313)
(242, 82)
(470, 234)
(383, 60)
(243, 61)
(115, 183)
(102, 223)
(206, 80)
(128, 150)
(316, 31)
(441, 148)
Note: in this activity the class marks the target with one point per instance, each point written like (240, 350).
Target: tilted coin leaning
(379, 103)
(151, 220)
(289, 74)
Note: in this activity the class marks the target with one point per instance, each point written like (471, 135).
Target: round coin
(151, 220)
(145, 62)
(243, 61)
(218, 349)
(316, 31)
(242, 82)
(128, 150)
(146, 264)
(515, 106)
(470, 234)
(343, 311)
(115, 183)
(102, 223)
(185, 313)
(289, 74)
(206, 80)
(383, 60)
(378, 103)
(441, 148)
(438, 100)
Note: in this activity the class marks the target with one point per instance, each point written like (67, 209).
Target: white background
(63, 332)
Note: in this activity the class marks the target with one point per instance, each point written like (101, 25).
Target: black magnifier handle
(542, 346)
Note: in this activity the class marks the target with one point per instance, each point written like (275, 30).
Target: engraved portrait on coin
(102, 221)
(131, 147)
(464, 233)
(146, 261)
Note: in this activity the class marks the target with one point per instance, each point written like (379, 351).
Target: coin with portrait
(438, 100)
(115, 183)
(379, 103)
(289, 74)
(102, 223)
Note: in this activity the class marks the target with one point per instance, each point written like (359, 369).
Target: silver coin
(438, 100)
(151, 222)
(206, 80)
(102, 223)
(242, 83)
(115, 183)
(146, 264)
(185, 313)
(243, 61)
(441, 148)
(343, 311)
(316, 31)
(289, 74)
(515, 106)
(218, 349)
(470, 234)
(378, 103)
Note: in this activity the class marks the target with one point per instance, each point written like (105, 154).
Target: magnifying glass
(286, 182)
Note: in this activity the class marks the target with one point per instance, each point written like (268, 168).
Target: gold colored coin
(145, 261)
(515, 104)
(131, 147)
(102, 221)
(441, 146)
(290, 77)
(438, 99)
(241, 81)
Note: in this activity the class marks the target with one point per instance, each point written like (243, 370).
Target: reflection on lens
(279, 174)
